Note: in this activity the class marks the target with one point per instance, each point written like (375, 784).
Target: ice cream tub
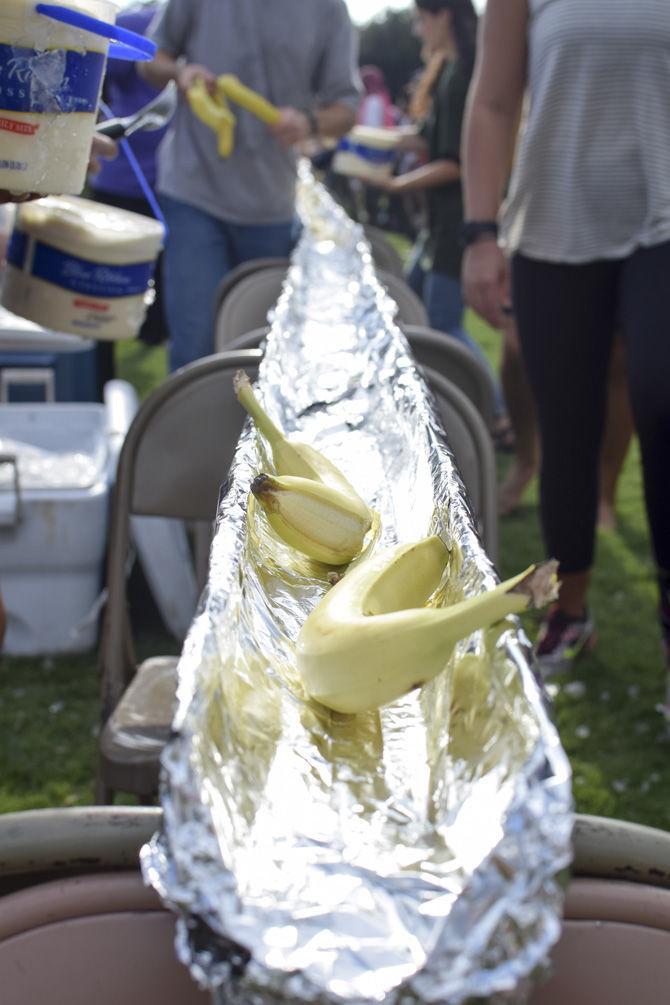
(81, 267)
(52, 64)
(367, 152)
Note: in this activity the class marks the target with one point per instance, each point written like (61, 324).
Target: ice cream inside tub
(367, 152)
(81, 267)
(50, 80)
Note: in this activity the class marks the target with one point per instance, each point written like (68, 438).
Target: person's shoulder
(138, 16)
(334, 7)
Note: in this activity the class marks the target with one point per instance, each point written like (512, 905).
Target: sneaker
(561, 639)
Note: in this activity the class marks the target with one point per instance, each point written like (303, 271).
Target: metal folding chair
(174, 458)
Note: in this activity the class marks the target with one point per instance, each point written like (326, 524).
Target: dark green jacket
(442, 130)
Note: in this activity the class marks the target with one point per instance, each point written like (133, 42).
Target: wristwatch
(472, 230)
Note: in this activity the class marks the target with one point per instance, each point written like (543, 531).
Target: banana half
(317, 520)
(371, 640)
(310, 504)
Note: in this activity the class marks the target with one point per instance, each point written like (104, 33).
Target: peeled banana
(370, 639)
(215, 113)
(310, 504)
(289, 458)
(318, 520)
(229, 86)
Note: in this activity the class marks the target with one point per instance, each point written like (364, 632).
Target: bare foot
(606, 515)
(512, 487)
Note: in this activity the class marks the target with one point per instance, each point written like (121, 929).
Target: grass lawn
(604, 708)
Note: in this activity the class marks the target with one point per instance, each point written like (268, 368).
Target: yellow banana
(371, 639)
(316, 519)
(215, 113)
(229, 86)
(290, 458)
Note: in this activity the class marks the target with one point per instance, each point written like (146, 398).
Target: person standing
(124, 92)
(587, 226)
(221, 212)
(447, 29)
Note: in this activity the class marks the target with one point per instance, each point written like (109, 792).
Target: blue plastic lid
(124, 45)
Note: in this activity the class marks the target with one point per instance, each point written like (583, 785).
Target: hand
(190, 72)
(293, 127)
(101, 147)
(6, 196)
(384, 184)
(411, 143)
(486, 281)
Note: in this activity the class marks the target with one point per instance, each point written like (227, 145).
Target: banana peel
(214, 109)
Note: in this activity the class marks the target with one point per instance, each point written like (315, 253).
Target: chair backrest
(448, 356)
(247, 304)
(77, 924)
(56, 843)
(615, 940)
(384, 254)
(249, 301)
(410, 308)
(470, 442)
(174, 458)
(232, 278)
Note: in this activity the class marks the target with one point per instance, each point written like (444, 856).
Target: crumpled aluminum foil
(409, 854)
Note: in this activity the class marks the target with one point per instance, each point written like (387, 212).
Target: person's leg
(3, 622)
(523, 420)
(617, 436)
(521, 410)
(265, 240)
(414, 273)
(196, 257)
(565, 316)
(645, 319)
(443, 300)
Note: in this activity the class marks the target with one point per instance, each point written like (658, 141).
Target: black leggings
(567, 316)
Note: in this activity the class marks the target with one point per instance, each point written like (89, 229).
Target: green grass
(604, 708)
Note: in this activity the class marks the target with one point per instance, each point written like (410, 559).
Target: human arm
(412, 142)
(336, 87)
(489, 133)
(170, 30)
(431, 175)
(295, 126)
(164, 68)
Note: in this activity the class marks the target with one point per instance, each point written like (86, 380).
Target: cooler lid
(56, 446)
(19, 335)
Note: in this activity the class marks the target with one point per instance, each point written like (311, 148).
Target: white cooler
(57, 464)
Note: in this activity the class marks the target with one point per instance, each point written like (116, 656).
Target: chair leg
(104, 795)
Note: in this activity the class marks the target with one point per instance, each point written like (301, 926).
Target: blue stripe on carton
(17, 247)
(371, 154)
(91, 279)
(49, 81)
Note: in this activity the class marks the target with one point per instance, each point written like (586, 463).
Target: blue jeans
(443, 300)
(199, 251)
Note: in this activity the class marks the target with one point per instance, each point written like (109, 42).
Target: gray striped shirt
(299, 53)
(592, 176)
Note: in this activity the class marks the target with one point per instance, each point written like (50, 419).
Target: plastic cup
(50, 80)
